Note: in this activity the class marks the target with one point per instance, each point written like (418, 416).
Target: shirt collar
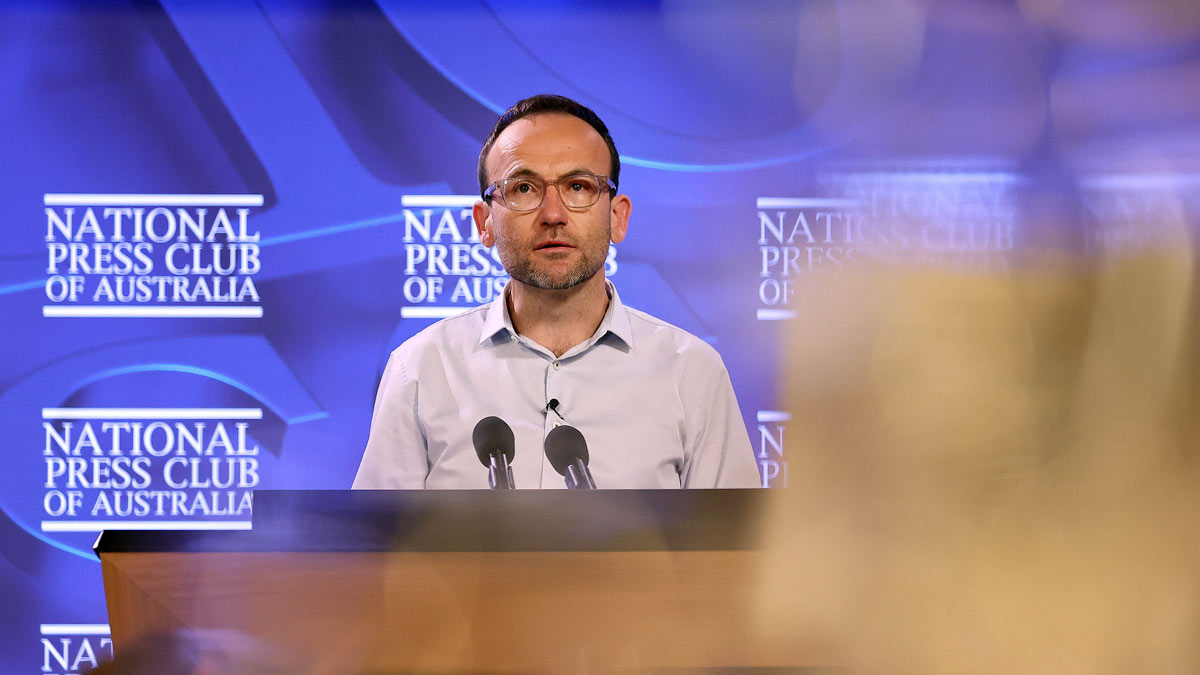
(496, 318)
(615, 321)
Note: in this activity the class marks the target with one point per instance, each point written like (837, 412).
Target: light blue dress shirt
(654, 403)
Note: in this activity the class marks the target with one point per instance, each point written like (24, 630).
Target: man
(653, 402)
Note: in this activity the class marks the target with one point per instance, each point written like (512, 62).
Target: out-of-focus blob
(1124, 77)
(851, 62)
(1159, 103)
(1117, 24)
(994, 446)
(973, 82)
(1004, 475)
(878, 50)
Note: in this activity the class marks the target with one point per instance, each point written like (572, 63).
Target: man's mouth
(553, 245)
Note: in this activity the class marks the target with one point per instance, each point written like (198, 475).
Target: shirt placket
(555, 388)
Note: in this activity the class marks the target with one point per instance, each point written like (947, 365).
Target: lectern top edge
(474, 520)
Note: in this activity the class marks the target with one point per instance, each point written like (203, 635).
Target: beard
(521, 267)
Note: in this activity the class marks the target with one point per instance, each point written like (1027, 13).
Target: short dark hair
(548, 103)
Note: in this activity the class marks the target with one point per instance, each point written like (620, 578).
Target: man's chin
(554, 282)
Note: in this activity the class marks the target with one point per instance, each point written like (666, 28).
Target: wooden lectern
(462, 581)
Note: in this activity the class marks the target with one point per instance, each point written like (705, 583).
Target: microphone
(552, 406)
(494, 444)
(568, 454)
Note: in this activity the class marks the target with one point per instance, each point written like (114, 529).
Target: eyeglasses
(525, 193)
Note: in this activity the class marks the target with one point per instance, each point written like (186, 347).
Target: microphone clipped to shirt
(552, 407)
(495, 446)
(568, 454)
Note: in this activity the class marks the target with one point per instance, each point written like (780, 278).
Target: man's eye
(580, 184)
(522, 187)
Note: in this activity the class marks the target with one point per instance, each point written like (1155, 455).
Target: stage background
(330, 149)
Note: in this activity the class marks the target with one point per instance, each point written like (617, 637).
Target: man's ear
(481, 212)
(619, 218)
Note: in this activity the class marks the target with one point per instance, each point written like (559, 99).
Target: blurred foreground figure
(997, 473)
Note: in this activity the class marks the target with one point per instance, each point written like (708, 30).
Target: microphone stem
(578, 477)
(500, 473)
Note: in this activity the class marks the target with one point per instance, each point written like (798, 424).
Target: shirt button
(557, 365)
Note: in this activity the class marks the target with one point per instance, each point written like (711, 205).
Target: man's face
(553, 246)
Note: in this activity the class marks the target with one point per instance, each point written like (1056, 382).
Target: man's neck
(558, 319)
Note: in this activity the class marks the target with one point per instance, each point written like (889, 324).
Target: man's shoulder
(663, 335)
(461, 331)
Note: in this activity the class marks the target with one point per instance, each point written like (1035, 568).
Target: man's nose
(554, 211)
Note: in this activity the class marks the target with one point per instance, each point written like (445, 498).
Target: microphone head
(493, 434)
(564, 444)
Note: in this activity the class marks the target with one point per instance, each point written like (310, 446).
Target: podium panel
(451, 582)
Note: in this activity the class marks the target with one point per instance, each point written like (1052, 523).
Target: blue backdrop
(219, 218)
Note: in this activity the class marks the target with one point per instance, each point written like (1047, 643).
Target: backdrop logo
(74, 647)
(958, 218)
(772, 461)
(148, 468)
(144, 255)
(955, 216)
(1138, 211)
(799, 236)
(446, 267)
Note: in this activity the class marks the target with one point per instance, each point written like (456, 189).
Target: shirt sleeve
(720, 455)
(396, 456)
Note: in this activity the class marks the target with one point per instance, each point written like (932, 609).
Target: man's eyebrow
(578, 170)
(526, 171)
(523, 171)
